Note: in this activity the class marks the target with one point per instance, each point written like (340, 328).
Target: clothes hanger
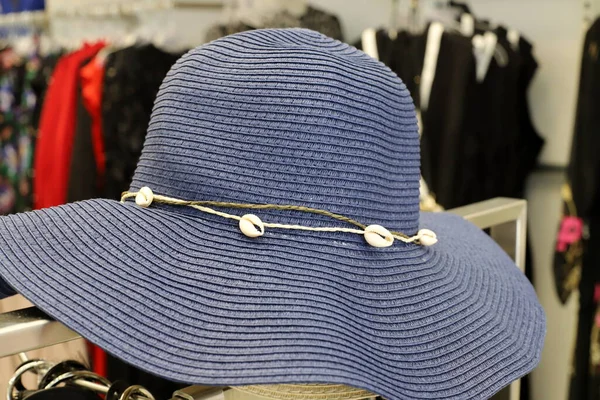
(514, 37)
(432, 51)
(414, 16)
(587, 14)
(15, 384)
(368, 40)
(115, 391)
(483, 48)
(60, 369)
(467, 24)
(485, 45)
(69, 380)
(394, 23)
(413, 21)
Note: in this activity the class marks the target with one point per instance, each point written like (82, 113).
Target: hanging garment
(92, 82)
(403, 54)
(83, 179)
(40, 83)
(444, 119)
(569, 247)
(584, 168)
(57, 130)
(443, 143)
(498, 134)
(584, 177)
(88, 159)
(17, 131)
(130, 87)
(529, 142)
(518, 145)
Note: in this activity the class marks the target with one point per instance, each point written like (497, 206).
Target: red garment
(99, 363)
(92, 82)
(97, 359)
(57, 129)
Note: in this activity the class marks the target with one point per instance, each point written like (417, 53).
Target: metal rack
(506, 220)
(30, 329)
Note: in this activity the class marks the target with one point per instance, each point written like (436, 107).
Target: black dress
(132, 78)
(445, 150)
(83, 183)
(442, 141)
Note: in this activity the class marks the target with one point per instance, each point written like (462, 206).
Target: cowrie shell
(252, 226)
(144, 197)
(378, 236)
(427, 237)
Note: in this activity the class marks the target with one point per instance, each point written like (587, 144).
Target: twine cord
(145, 197)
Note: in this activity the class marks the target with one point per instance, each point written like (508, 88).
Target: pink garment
(571, 230)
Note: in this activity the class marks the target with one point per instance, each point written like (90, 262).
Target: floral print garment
(17, 133)
(568, 255)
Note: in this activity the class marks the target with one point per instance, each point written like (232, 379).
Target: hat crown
(286, 117)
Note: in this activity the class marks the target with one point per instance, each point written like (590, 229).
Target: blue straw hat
(302, 289)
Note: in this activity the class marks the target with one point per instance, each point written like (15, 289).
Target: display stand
(30, 329)
(506, 220)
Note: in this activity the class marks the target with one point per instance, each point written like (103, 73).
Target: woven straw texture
(284, 117)
(314, 391)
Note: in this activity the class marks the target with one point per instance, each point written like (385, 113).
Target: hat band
(253, 226)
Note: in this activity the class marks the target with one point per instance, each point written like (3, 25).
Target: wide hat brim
(193, 300)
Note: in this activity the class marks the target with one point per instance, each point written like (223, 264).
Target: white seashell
(144, 197)
(427, 237)
(378, 236)
(252, 226)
